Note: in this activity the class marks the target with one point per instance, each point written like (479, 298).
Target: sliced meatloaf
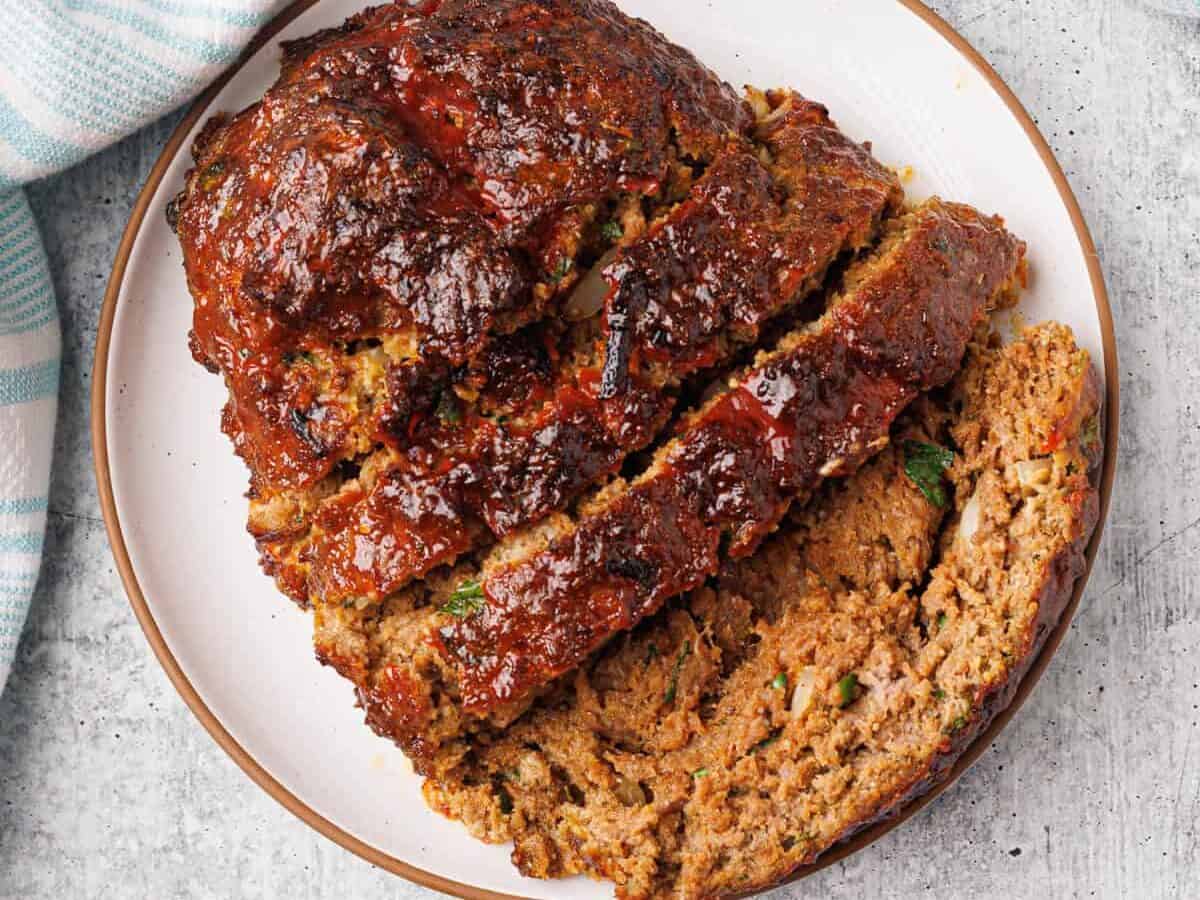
(615, 428)
(433, 663)
(816, 686)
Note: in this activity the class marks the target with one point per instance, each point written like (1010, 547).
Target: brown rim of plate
(456, 888)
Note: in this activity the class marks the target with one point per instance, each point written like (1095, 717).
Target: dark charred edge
(294, 52)
(1063, 572)
(291, 54)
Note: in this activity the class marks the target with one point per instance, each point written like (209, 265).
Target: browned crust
(997, 254)
(430, 200)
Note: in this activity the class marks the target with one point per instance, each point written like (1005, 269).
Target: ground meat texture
(714, 750)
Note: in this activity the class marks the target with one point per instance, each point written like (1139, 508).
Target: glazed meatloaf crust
(422, 176)
(433, 663)
(821, 683)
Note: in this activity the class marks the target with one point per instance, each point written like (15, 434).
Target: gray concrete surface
(108, 786)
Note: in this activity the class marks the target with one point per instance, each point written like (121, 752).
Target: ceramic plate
(172, 489)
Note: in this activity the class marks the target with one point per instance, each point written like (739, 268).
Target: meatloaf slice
(815, 687)
(433, 663)
(753, 238)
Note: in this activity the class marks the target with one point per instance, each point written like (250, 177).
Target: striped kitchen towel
(75, 76)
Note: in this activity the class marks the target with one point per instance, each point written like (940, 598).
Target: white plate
(177, 506)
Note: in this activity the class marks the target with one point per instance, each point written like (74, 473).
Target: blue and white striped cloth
(75, 76)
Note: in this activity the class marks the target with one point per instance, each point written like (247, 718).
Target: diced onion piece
(1034, 473)
(629, 792)
(806, 687)
(758, 102)
(831, 468)
(968, 522)
(588, 297)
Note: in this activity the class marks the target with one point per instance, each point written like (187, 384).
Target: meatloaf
(819, 684)
(615, 428)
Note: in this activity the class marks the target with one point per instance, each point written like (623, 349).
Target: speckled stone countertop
(109, 787)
